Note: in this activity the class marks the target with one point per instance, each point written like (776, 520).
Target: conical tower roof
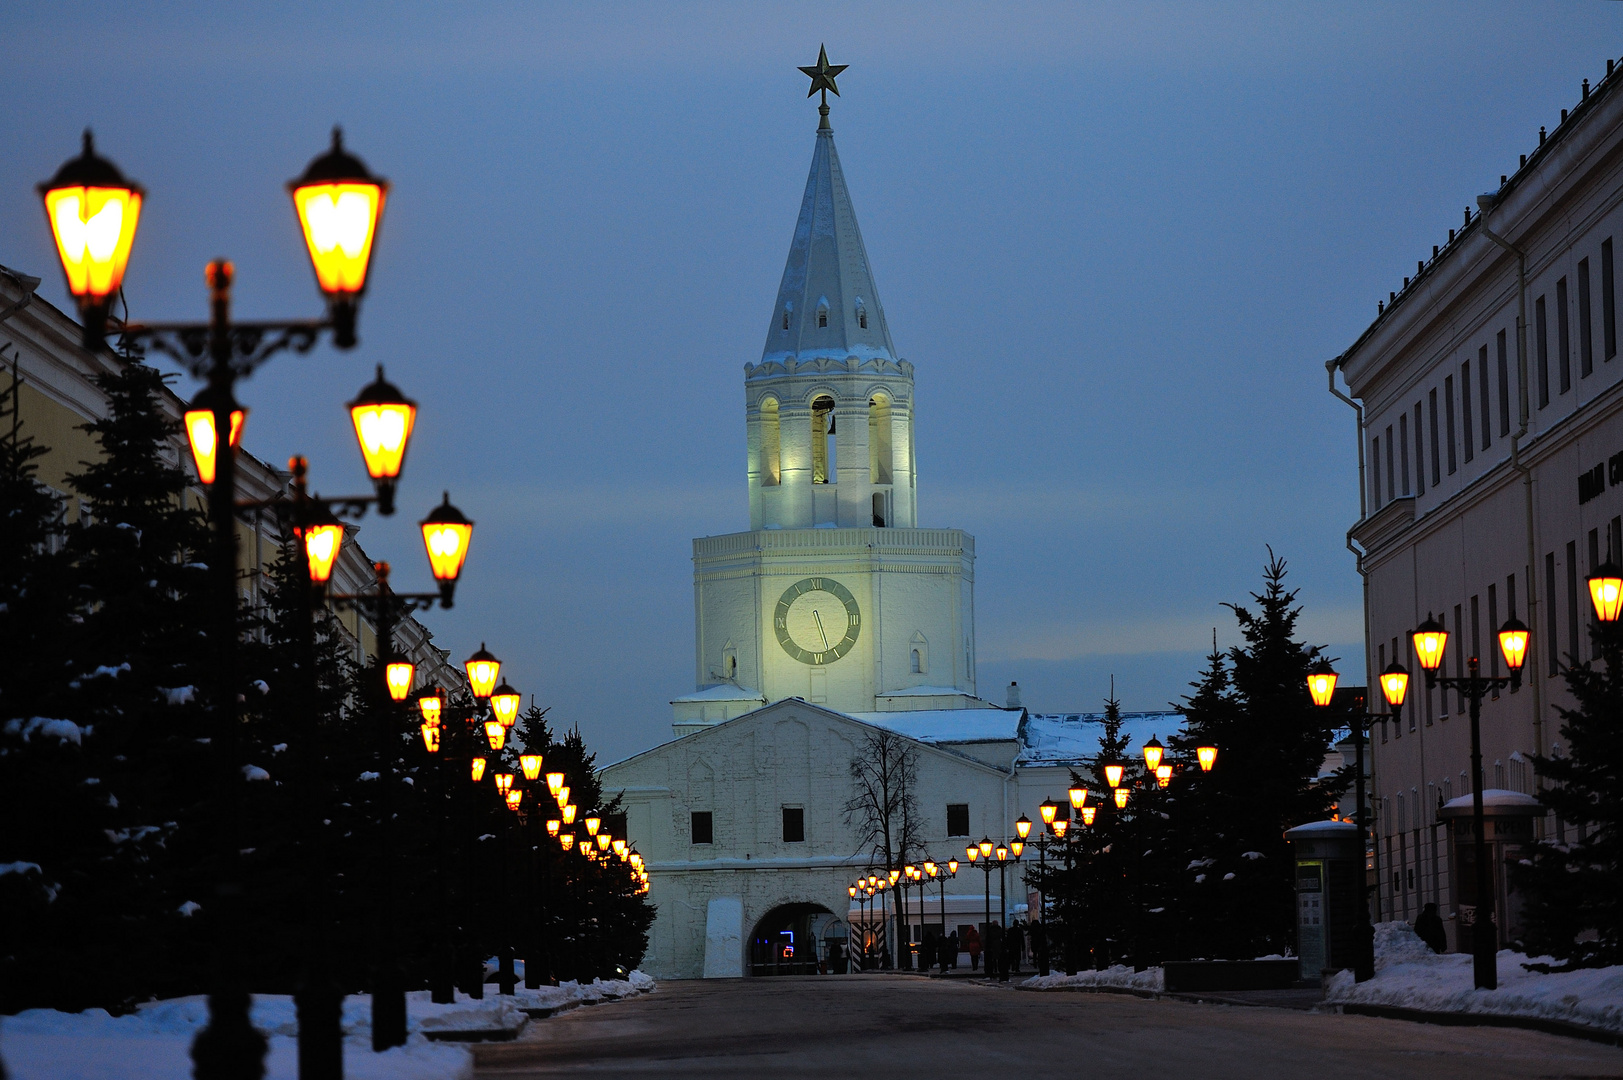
(827, 272)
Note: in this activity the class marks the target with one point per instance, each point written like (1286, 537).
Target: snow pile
(62, 730)
(1120, 977)
(1409, 975)
(154, 1042)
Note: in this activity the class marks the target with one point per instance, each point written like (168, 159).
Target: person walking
(992, 945)
(1014, 944)
(1429, 926)
(972, 945)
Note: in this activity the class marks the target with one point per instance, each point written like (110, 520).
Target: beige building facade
(1491, 432)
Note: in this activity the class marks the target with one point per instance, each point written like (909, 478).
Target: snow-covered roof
(1069, 738)
(924, 691)
(1494, 800)
(723, 692)
(949, 725)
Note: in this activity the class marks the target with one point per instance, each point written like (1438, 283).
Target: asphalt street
(897, 1027)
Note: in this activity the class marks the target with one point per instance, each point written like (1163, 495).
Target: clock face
(817, 620)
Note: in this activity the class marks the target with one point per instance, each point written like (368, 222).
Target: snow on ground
(154, 1042)
(1123, 977)
(1409, 975)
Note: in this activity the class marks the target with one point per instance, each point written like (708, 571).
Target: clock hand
(818, 615)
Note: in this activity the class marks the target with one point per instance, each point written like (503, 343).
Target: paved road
(899, 1027)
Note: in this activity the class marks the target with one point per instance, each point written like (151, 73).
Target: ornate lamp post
(1430, 639)
(1321, 685)
(93, 211)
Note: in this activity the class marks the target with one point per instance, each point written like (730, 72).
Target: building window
(1375, 471)
(920, 650)
(1391, 482)
(1448, 409)
(1493, 624)
(1541, 336)
(957, 819)
(1465, 407)
(771, 442)
(1552, 648)
(1504, 387)
(1487, 410)
(1419, 454)
(862, 316)
(1563, 336)
(1608, 303)
(881, 459)
(1403, 449)
(703, 827)
(1436, 465)
(1586, 333)
(1594, 563)
(822, 316)
(786, 316)
(822, 425)
(1572, 600)
(794, 825)
(879, 509)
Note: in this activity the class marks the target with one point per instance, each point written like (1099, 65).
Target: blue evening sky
(1118, 241)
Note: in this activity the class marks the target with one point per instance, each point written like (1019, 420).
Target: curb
(1464, 1019)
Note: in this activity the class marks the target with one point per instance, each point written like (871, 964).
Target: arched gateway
(798, 939)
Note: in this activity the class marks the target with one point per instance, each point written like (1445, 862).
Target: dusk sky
(1117, 241)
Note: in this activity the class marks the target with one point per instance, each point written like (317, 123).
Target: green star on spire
(822, 76)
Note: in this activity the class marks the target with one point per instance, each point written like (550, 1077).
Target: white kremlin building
(834, 616)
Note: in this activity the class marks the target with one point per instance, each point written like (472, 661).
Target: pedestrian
(1014, 944)
(1429, 926)
(972, 946)
(1038, 933)
(992, 945)
(949, 954)
(927, 951)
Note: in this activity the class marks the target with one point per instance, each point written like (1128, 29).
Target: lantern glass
(446, 535)
(619, 847)
(1395, 684)
(1429, 641)
(1113, 775)
(1002, 853)
(851, 891)
(398, 675)
(567, 840)
(1121, 798)
(1017, 847)
(1513, 643)
(504, 702)
(504, 782)
(952, 866)
(478, 769)
(553, 825)
(339, 203)
(1062, 824)
(1163, 775)
(1079, 797)
(322, 542)
(593, 823)
(92, 211)
(495, 734)
(383, 419)
(1606, 591)
(482, 670)
(972, 853)
(603, 841)
(1023, 826)
(199, 424)
(930, 867)
(1048, 810)
(1088, 813)
(986, 847)
(555, 782)
(569, 813)
(531, 764)
(1152, 753)
(430, 705)
(431, 737)
(515, 797)
(562, 795)
(1321, 684)
(1207, 756)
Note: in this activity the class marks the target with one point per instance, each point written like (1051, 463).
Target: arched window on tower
(770, 462)
(920, 658)
(822, 313)
(879, 509)
(787, 308)
(880, 461)
(823, 463)
(862, 314)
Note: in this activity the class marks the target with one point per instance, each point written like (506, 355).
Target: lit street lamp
(1430, 639)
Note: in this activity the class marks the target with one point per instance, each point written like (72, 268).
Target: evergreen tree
(1272, 741)
(1575, 887)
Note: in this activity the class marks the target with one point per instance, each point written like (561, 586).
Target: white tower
(835, 595)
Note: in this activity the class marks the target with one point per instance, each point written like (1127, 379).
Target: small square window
(703, 827)
(794, 825)
(957, 819)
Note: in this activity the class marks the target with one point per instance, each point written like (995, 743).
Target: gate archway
(798, 939)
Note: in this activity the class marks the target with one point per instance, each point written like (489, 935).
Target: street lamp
(1120, 795)
(201, 434)
(397, 675)
(383, 419)
(504, 702)
(1113, 774)
(1152, 754)
(92, 211)
(482, 669)
(446, 535)
(495, 734)
(1606, 590)
(1430, 640)
(531, 764)
(339, 203)
(478, 765)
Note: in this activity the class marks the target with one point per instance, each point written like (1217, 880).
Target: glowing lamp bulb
(1023, 826)
(1207, 755)
(478, 769)
(431, 737)
(1321, 683)
(430, 704)
(515, 797)
(482, 669)
(203, 437)
(569, 813)
(1088, 814)
(1163, 775)
(446, 535)
(398, 673)
(567, 840)
(504, 702)
(1606, 591)
(495, 734)
(555, 782)
(562, 795)
(1061, 825)
(531, 764)
(1049, 810)
(383, 419)
(1513, 643)
(1113, 775)
(1079, 797)
(1429, 641)
(593, 823)
(504, 782)
(603, 841)
(1121, 798)
(1395, 684)
(553, 825)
